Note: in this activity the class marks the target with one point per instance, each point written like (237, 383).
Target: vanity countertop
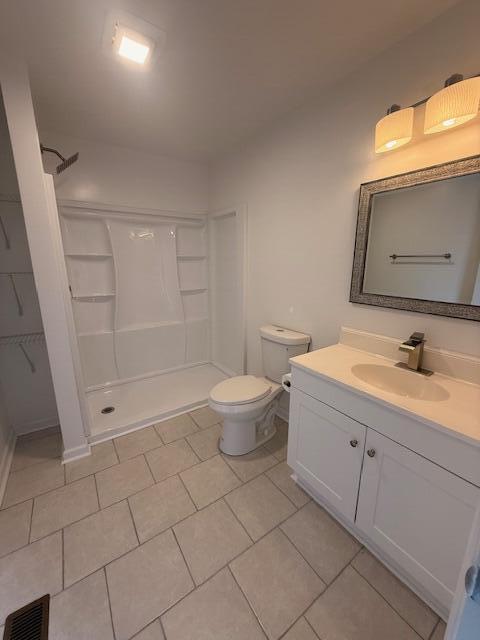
(443, 402)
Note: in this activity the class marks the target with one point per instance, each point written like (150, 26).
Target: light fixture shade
(394, 130)
(453, 105)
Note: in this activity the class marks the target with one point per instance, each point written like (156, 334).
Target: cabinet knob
(354, 443)
(371, 453)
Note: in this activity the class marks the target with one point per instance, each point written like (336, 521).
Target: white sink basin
(400, 382)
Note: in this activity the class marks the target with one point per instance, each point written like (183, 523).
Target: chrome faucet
(414, 347)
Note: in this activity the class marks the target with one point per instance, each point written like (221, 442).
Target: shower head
(66, 162)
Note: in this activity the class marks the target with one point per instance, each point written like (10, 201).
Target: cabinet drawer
(325, 448)
(417, 512)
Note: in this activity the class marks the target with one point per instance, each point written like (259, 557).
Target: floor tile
(326, 545)
(58, 508)
(153, 576)
(278, 444)
(260, 506)
(137, 442)
(251, 464)
(29, 573)
(205, 442)
(152, 632)
(15, 527)
(209, 481)
(210, 539)
(32, 481)
(171, 459)
(439, 632)
(123, 480)
(277, 582)
(301, 630)
(281, 476)
(103, 455)
(205, 417)
(405, 602)
(215, 611)
(159, 507)
(176, 428)
(29, 452)
(82, 612)
(96, 540)
(350, 609)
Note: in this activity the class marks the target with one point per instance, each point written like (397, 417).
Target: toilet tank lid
(283, 336)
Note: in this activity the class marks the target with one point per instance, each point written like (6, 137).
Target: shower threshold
(139, 403)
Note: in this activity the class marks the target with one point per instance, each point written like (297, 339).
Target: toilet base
(240, 437)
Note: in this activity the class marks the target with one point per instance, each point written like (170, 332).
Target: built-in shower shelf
(83, 334)
(187, 291)
(185, 257)
(92, 297)
(88, 255)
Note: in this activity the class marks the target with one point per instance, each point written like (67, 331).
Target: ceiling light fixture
(131, 45)
(132, 40)
(395, 129)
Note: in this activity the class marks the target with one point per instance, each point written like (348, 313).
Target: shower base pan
(139, 403)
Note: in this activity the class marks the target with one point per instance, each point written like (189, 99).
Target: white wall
(227, 249)
(6, 445)
(122, 176)
(300, 182)
(43, 233)
(16, 378)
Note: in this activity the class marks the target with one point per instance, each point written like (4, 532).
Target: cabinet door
(325, 448)
(417, 512)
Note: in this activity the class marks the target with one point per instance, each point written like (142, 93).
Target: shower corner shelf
(90, 254)
(92, 297)
(195, 290)
(190, 257)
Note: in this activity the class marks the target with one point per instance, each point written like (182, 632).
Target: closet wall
(24, 368)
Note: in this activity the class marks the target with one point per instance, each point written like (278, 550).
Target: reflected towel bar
(394, 256)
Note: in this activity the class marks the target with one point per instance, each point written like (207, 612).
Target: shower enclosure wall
(140, 296)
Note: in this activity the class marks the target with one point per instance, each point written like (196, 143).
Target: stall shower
(143, 310)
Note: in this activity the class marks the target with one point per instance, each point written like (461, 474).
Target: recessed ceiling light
(132, 39)
(132, 45)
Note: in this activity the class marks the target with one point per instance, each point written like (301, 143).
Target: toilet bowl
(248, 404)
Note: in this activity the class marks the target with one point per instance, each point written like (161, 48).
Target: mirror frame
(454, 169)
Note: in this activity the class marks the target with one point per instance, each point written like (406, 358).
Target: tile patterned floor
(158, 536)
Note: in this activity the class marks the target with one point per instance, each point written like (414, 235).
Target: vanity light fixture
(457, 103)
(395, 129)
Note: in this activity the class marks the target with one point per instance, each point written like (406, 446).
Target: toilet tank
(278, 345)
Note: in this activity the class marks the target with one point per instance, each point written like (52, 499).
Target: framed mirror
(417, 246)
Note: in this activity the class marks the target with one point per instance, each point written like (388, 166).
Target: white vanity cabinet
(417, 513)
(326, 449)
(411, 511)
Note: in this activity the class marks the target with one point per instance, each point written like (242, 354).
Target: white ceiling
(228, 68)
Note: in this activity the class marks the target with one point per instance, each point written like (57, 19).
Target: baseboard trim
(76, 453)
(6, 464)
(37, 425)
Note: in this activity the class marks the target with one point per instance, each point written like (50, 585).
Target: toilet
(248, 404)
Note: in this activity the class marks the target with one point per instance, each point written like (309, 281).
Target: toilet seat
(240, 390)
